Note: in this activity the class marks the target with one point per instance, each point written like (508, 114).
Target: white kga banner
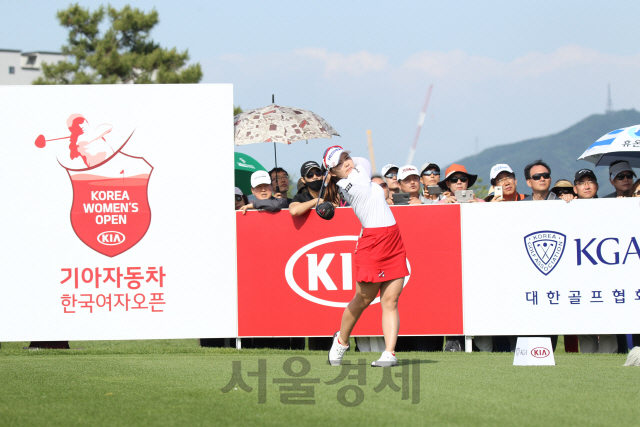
(112, 204)
(536, 268)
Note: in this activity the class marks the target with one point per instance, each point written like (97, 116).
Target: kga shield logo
(321, 272)
(545, 248)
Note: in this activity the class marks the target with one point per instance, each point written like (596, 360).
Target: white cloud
(458, 64)
(355, 64)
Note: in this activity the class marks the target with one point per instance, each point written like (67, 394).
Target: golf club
(41, 142)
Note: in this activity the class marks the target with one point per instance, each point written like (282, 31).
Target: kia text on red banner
(296, 275)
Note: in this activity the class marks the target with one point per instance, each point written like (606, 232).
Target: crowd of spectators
(409, 185)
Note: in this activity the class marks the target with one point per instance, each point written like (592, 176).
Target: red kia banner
(296, 274)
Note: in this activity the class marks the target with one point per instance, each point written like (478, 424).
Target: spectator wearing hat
(390, 174)
(430, 175)
(279, 183)
(261, 189)
(241, 199)
(585, 184)
(409, 180)
(621, 177)
(457, 179)
(306, 200)
(501, 175)
(562, 187)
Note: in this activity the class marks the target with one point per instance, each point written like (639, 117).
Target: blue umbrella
(620, 144)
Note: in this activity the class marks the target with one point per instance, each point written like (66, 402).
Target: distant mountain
(559, 151)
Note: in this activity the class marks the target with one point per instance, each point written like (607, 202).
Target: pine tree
(123, 54)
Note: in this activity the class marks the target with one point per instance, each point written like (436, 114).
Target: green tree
(236, 110)
(123, 54)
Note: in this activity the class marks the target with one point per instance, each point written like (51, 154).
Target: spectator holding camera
(261, 189)
(306, 200)
(409, 180)
(429, 176)
(502, 176)
(621, 177)
(458, 179)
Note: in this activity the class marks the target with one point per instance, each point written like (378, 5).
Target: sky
(502, 71)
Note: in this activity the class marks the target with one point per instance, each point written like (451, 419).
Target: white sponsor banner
(535, 268)
(113, 222)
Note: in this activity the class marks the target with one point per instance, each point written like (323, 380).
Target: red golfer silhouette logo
(110, 211)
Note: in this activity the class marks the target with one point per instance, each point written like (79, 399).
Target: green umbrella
(244, 167)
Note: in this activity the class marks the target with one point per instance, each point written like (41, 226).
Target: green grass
(175, 382)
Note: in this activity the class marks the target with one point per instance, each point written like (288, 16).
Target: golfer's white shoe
(386, 359)
(337, 351)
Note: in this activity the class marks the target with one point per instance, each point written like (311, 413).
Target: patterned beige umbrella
(276, 123)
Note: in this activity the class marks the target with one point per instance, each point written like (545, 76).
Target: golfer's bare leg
(365, 294)
(389, 293)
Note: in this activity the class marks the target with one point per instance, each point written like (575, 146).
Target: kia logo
(319, 265)
(111, 238)
(540, 352)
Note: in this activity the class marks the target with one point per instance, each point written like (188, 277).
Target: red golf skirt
(380, 255)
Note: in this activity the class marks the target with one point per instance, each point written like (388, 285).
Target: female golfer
(379, 258)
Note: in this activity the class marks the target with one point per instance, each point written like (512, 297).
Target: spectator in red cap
(621, 177)
(457, 179)
(261, 189)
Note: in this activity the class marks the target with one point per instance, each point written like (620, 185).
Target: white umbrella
(276, 123)
(620, 144)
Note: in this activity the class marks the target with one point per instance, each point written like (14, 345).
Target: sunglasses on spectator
(429, 173)
(391, 175)
(636, 193)
(623, 175)
(537, 176)
(583, 183)
(383, 185)
(561, 192)
(238, 197)
(458, 178)
(311, 174)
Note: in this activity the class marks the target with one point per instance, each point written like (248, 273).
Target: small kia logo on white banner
(540, 352)
(319, 280)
